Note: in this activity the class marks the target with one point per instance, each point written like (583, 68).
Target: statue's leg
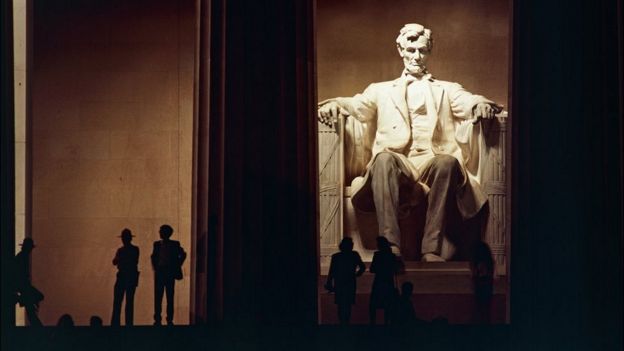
(443, 175)
(385, 173)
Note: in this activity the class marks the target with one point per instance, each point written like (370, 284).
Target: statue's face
(415, 54)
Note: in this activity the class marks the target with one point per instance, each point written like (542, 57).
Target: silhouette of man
(26, 294)
(126, 259)
(384, 266)
(167, 259)
(425, 147)
(342, 278)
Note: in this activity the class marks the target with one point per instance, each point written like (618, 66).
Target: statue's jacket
(383, 106)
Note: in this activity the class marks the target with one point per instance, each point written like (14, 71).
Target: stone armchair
(344, 152)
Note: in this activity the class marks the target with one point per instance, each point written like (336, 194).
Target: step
(455, 308)
(427, 278)
(441, 289)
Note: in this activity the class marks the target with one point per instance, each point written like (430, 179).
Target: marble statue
(425, 145)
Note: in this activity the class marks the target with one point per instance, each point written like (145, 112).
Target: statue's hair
(411, 32)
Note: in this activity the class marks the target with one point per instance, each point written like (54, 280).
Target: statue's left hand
(485, 110)
(328, 113)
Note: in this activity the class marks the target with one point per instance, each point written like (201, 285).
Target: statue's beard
(416, 70)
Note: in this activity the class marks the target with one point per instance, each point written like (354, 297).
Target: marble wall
(112, 147)
(356, 43)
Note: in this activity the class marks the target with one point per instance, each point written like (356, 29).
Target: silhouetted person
(342, 276)
(482, 266)
(167, 258)
(26, 294)
(126, 259)
(384, 266)
(95, 321)
(403, 310)
(66, 321)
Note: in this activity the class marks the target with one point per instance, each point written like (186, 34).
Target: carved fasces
(330, 147)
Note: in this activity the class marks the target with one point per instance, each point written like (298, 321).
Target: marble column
(7, 149)
(260, 205)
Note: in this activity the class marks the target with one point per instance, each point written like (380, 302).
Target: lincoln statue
(425, 146)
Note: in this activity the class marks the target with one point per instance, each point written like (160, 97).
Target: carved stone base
(440, 290)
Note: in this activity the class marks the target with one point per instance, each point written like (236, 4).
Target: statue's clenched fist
(329, 113)
(485, 110)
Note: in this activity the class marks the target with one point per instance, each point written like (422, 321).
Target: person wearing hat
(26, 294)
(127, 260)
(167, 258)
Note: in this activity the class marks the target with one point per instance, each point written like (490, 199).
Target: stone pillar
(7, 149)
(261, 241)
(21, 86)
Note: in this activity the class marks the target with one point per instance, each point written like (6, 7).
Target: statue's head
(414, 44)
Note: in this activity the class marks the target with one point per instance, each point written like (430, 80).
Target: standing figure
(482, 266)
(26, 294)
(426, 146)
(127, 260)
(385, 265)
(342, 276)
(403, 310)
(167, 258)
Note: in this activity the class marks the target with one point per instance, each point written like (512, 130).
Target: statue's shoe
(429, 257)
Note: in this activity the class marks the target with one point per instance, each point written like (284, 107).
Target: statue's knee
(446, 163)
(384, 161)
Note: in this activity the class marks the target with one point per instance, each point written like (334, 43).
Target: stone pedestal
(440, 290)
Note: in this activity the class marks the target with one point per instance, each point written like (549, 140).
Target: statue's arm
(470, 109)
(361, 107)
(466, 105)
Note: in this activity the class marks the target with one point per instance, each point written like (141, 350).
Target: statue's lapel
(399, 97)
(438, 94)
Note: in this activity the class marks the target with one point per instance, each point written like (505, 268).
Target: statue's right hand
(328, 113)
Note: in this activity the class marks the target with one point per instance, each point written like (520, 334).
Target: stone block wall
(112, 132)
